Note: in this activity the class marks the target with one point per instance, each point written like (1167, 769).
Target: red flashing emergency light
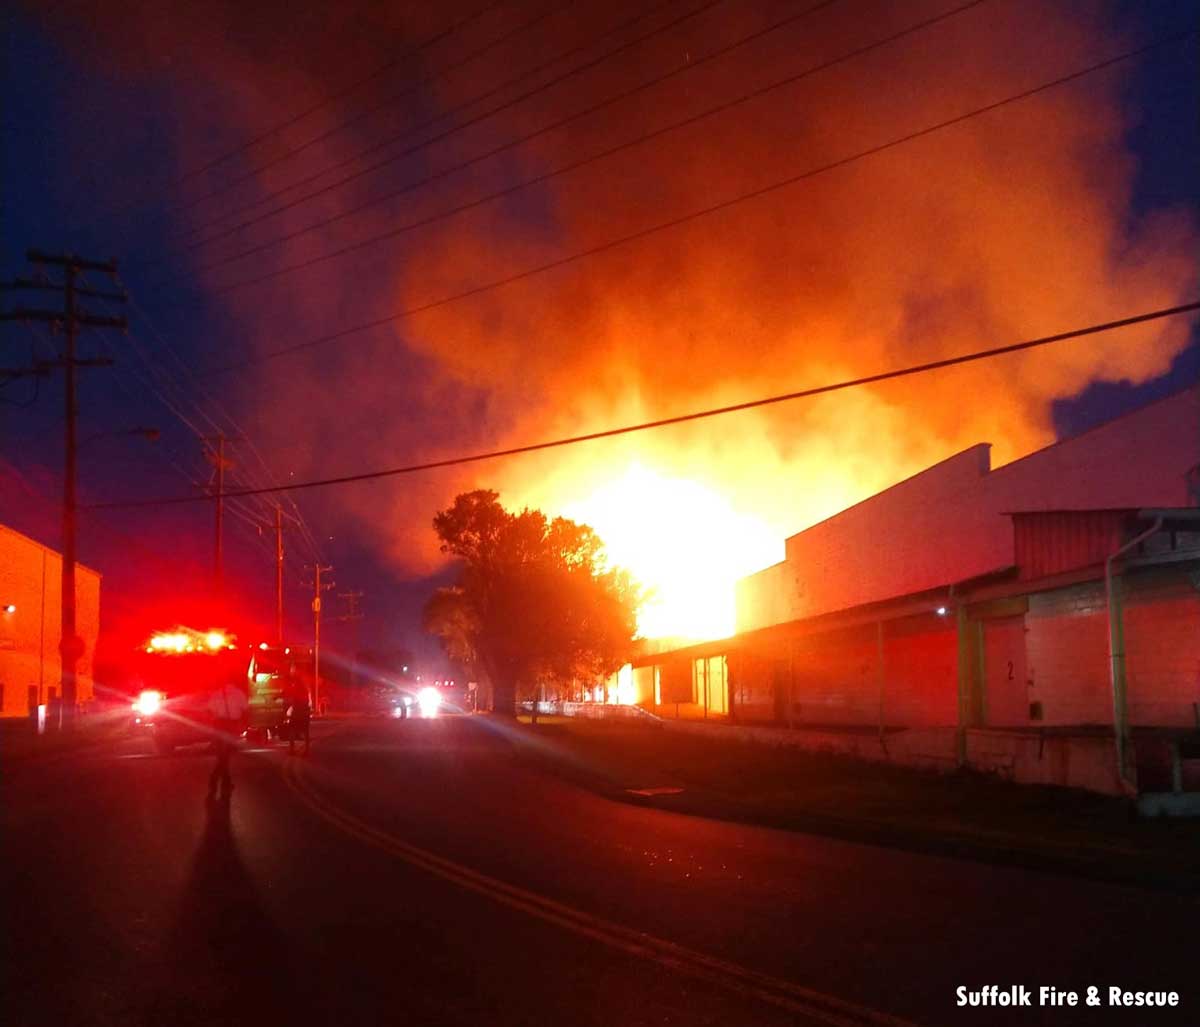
(185, 640)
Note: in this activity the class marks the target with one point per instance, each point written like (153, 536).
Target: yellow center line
(730, 976)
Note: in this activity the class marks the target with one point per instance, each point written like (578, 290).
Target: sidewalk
(20, 742)
(963, 815)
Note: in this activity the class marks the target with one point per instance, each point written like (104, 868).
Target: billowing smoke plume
(1014, 224)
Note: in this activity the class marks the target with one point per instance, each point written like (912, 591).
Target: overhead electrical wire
(231, 422)
(694, 215)
(370, 111)
(484, 116)
(576, 164)
(166, 390)
(249, 519)
(696, 415)
(641, 15)
(326, 100)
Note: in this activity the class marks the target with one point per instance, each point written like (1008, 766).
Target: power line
(903, 372)
(641, 15)
(573, 165)
(691, 216)
(221, 412)
(462, 126)
(333, 97)
(359, 117)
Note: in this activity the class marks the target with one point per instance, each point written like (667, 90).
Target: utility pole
(70, 318)
(353, 615)
(318, 587)
(279, 575)
(216, 456)
(277, 526)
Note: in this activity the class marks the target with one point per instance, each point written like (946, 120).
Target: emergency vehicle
(174, 673)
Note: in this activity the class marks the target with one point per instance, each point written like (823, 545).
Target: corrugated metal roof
(1054, 542)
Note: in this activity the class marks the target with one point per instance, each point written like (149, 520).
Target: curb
(867, 832)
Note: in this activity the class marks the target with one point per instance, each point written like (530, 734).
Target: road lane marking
(731, 976)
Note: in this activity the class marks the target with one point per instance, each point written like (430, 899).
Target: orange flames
(1012, 225)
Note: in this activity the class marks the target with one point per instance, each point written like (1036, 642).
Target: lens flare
(429, 700)
(148, 703)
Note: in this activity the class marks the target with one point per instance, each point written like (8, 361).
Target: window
(709, 684)
(718, 685)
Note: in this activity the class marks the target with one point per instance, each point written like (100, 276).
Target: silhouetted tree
(535, 601)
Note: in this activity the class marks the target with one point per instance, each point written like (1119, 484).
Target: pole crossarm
(80, 290)
(71, 260)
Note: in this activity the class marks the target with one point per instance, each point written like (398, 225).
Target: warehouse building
(1040, 620)
(30, 619)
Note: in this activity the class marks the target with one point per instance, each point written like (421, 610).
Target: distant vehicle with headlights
(175, 673)
(413, 700)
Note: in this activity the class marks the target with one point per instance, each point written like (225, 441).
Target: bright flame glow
(625, 693)
(177, 642)
(148, 703)
(214, 640)
(429, 700)
(683, 540)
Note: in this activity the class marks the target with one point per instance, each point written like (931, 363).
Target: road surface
(424, 872)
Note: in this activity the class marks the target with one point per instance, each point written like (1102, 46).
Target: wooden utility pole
(279, 575)
(319, 586)
(216, 457)
(353, 615)
(70, 319)
(277, 526)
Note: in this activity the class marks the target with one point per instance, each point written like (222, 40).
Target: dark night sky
(106, 103)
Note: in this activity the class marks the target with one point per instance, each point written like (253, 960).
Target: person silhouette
(298, 713)
(228, 706)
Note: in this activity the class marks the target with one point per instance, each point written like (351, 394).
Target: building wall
(1162, 643)
(1031, 661)
(30, 579)
(767, 597)
(758, 685)
(1067, 646)
(830, 679)
(921, 675)
(1067, 655)
(948, 523)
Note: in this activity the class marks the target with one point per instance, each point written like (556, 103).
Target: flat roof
(46, 549)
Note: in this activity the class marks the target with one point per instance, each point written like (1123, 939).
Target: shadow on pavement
(225, 961)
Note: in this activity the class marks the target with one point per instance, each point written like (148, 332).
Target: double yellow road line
(732, 977)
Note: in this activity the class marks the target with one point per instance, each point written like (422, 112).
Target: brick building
(30, 619)
(966, 615)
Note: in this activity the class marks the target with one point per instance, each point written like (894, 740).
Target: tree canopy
(535, 600)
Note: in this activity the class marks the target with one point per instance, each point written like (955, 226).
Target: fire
(685, 542)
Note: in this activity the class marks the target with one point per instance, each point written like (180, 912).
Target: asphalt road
(422, 872)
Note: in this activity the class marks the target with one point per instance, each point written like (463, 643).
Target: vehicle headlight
(148, 703)
(429, 700)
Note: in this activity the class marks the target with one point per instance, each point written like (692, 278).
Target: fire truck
(175, 672)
